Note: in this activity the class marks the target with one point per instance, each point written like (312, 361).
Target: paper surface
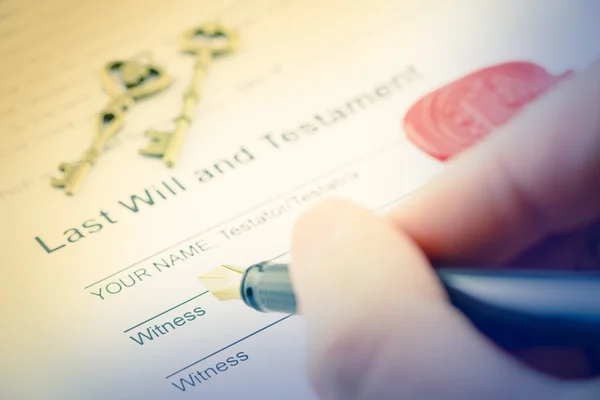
(100, 296)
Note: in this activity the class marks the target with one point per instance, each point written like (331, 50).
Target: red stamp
(457, 115)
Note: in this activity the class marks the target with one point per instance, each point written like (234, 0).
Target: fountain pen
(517, 308)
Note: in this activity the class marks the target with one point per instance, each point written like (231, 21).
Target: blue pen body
(515, 308)
(524, 308)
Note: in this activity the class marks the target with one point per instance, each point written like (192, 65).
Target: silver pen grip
(267, 287)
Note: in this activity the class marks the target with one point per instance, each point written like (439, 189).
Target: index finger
(534, 177)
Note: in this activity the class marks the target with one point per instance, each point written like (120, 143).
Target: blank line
(164, 312)
(228, 346)
(330, 172)
(390, 203)
(278, 256)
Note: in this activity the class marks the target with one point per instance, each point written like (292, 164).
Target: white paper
(74, 317)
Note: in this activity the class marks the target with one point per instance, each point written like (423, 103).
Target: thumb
(378, 323)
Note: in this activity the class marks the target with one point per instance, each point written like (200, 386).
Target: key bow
(138, 79)
(213, 36)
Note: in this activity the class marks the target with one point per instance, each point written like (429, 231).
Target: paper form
(100, 294)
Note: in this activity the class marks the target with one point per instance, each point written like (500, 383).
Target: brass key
(205, 42)
(125, 82)
(108, 123)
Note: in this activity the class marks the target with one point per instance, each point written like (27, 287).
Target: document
(363, 100)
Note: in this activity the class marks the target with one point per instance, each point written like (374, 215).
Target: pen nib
(223, 282)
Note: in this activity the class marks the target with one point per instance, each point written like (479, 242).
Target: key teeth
(158, 143)
(67, 170)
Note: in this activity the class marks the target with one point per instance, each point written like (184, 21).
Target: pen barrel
(522, 309)
(516, 309)
(267, 288)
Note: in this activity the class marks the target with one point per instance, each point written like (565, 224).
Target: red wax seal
(457, 115)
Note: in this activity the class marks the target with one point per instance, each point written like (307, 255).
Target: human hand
(379, 324)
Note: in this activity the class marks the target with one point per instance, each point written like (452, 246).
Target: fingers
(378, 322)
(536, 176)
